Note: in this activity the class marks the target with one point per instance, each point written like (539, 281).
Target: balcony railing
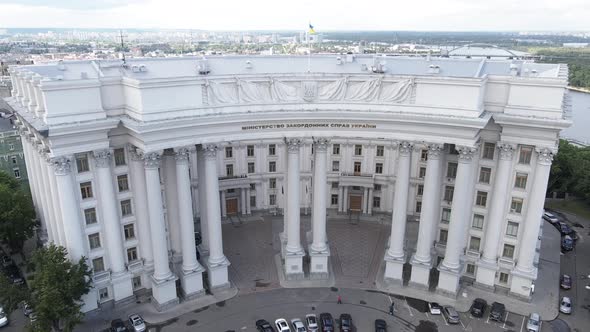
(135, 265)
(102, 276)
(509, 262)
(473, 253)
(229, 177)
(366, 175)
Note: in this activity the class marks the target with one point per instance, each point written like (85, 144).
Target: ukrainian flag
(311, 30)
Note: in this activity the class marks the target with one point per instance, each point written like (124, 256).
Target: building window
(98, 265)
(336, 149)
(512, 229)
(90, 216)
(503, 279)
(103, 293)
(229, 152)
(334, 185)
(334, 200)
(443, 236)
(377, 187)
(377, 202)
(446, 215)
(82, 163)
(16, 173)
(470, 269)
(252, 201)
(272, 166)
(379, 168)
(250, 150)
(484, 174)
(136, 282)
(94, 240)
(477, 221)
(488, 150)
(229, 170)
(231, 190)
(272, 149)
(335, 166)
(86, 190)
(452, 149)
(357, 167)
(380, 150)
(420, 190)
(11, 146)
(516, 205)
(14, 161)
(418, 207)
(272, 199)
(452, 170)
(474, 243)
(272, 183)
(251, 168)
(520, 181)
(253, 186)
(508, 251)
(123, 182)
(525, 155)
(423, 155)
(129, 231)
(449, 193)
(358, 150)
(482, 198)
(132, 254)
(422, 172)
(120, 157)
(126, 208)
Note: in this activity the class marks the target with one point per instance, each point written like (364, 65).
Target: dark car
(345, 323)
(566, 281)
(326, 322)
(478, 307)
(117, 325)
(563, 228)
(567, 243)
(380, 325)
(13, 273)
(264, 326)
(497, 312)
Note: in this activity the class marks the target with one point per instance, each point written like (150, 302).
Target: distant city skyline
(428, 15)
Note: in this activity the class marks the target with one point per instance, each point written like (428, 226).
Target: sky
(429, 15)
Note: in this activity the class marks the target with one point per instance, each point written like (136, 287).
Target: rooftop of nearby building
(185, 67)
(6, 125)
(486, 50)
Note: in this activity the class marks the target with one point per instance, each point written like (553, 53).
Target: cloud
(74, 4)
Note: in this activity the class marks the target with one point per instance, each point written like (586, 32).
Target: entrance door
(231, 205)
(356, 203)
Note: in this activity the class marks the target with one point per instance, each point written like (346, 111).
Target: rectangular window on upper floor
(229, 152)
(129, 231)
(474, 243)
(272, 149)
(452, 170)
(123, 183)
(272, 166)
(120, 157)
(334, 199)
(379, 168)
(334, 185)
(377, 187)
(423, 155)
(377, 202)
(485, 174)
(16, 172)
(126, 208)
(512, 229)
(508, 251)
(272, 183)
(420, 190)
(380, 150)
(90, 216)
(516, 205)
(11, 146)
(335, 166)
(358, 150)
(443, 236)
(14, 160)
(357, 168)
(82, 163)
(488, 151)
(272, 199)
(86, 190)
(251, 168)
(446, 216)
(418, 207)
(525, 154)
(250, 150)
(477, 221)
(482, 198)
(520, 181)
(229, 170)
(98, 265)
(94, 241)
(336, 149)
(422, 172)
(449, 190)
(132, 254)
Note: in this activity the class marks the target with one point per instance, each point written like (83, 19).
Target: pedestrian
(339, 299)
(391, 309)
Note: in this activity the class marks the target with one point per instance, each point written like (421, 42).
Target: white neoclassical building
(124, 157)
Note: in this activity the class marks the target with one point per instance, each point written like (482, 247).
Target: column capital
(434, 150)
(506, 150)
(135, 153)
(545, 156)
(210, 151)
(405, 147)
(181, 155)
(293, 144)
(62, 165)
(102, 158)
(321, 144)
(152, 159)
(466, 153)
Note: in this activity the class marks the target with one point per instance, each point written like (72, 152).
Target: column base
(164, 294)
(520, 286)
(448, 281)
(394, 269)
(218, 275)
(318, 269)
(485, 277)
(283, 240)
(420, 274)
(123, 288)
(192, 283)
(293, 265)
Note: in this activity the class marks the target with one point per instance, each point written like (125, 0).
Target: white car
(566, 305)
(312, 322)
(434, 308)
(282, 325)
(298, 325)
(3, 318)
(550, 217)
(137, 323)
(534, 323)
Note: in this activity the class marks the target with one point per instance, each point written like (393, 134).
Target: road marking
(391, 301)
(408, 306)
(488, 321)
(522, 325)
(460, 321)
(505, 319)
(427, 315)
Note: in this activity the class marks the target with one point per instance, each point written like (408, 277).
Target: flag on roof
(311, 30)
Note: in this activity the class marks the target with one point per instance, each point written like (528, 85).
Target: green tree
(17, 215)
(57, 289)
(11, 295)
(570, 171)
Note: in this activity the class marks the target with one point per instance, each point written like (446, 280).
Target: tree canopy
(570, 171)
(17, 215)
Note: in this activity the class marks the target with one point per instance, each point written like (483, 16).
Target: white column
(43, 185)
(204, 248)
(217, 263)
(243, 201)
(248, 207)
(54, 200)
(450, 268)
(169, 179)
(525, 272)
(192, 277)
(365, 199)
(487, 265)
(223, 204)
(163, 280)
(285, 196)
(370, 202)
(340, 198)
(422, 259)
(319, 250)
(345, 200)
(395, 257)
(294, 252)
(122, 285)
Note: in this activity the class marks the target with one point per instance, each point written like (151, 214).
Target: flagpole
(308, 52)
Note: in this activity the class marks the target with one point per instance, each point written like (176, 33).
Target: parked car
(380, 325)
(451, 315)
(563, 228)
(27, 309)
(434, 308)
(13, 273)
(550, 217)
(326, 322)
(137, 323)
(3, 317)
(298, 325)
(264, 326)
(117, 325)
(345, 323)
(478, 307)
(312, 322)
(6, 261)
(534, 323)
(567, 243)
(566, 281)
(282, 325)
(566, 305)
(497, 312)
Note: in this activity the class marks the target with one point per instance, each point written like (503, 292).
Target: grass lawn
(572, 206)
